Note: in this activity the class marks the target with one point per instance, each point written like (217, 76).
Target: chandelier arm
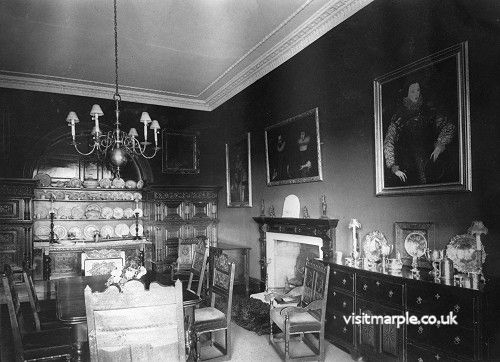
(83, 153)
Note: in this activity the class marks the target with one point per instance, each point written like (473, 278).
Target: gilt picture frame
(180, 153)
(422, 126)
(239, 172)
(293, 150)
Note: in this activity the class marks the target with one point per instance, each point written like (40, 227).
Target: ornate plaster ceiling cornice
(263, 58)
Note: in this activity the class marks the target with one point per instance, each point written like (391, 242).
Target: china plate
(107, 212)
(43, 179)
(128, 213)
(105, 183)
(416, 243)
(75, 182)
(42, 232)
(64, 212)
(118, 183)
(93, 211)
(75, 233)
(139, 211)
(137, 196)
(107, 231)
(77, 212)
(372, 245)
(61, 232)
(89, 231)
(462, 252)
(121, 230)
(130, 184)
(132, 230)
(117, 213)
(43, 213)
(140, 184)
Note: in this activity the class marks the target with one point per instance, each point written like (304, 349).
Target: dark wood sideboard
(16, 221)
(373, 292)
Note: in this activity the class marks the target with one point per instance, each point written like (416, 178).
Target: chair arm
(315, 305)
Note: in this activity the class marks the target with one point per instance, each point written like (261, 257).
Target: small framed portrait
(180, 153)
(409, 232)
(422, 127)
(239, 173)
(293, 150)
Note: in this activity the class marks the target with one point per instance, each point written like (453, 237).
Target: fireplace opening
(286, 258)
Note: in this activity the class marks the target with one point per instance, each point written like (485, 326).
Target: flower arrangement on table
(132, 270)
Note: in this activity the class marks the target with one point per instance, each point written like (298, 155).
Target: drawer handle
(334, 294)
(420, 330)
(437, 356)
(344, 330)
(334, 272)
(365, 287)
(437, 296)
(419, 300)
(344, 281)
(420, 359)
(390, 293)
(344, 304)
(378, 283)
(334, 317)
(456, 308)
(456, 340)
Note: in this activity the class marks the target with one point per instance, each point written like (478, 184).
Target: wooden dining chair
(198, 267)
(44, 314)
(136, 324)
(307, 319)
(36, 346)
(217, 317)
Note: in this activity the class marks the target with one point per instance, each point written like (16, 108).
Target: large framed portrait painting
(422, 127)
(239, 173)
(293, 152)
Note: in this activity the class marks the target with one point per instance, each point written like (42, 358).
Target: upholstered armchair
(307, 319)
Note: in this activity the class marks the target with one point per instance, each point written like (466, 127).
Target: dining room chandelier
(117, 144)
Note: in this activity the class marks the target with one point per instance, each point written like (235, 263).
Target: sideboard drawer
(441, 300)
(449, 338)
(419, 354)
(341, 279)
(341, 302)
(336, 327)
(380, 289)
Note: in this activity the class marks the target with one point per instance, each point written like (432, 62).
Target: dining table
(70, 301)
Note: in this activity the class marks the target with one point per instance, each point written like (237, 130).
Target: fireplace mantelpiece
(321, 228)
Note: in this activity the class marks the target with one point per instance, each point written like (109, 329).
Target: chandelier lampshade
(116, 145)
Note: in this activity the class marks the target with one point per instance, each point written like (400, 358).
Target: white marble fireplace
(282, 251)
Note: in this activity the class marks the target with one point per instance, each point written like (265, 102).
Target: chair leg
(228, 342)
(271, 337)
(198, 346)
(287, 344)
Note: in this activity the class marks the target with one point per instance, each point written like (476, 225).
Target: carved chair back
(15, 315)
(136, 324)
(33, 298)
(222, 283)
(199, 265)
(102, 262)
(316, 275)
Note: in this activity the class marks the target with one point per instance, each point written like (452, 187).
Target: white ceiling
(184, 53)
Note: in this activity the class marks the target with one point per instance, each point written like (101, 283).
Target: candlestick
(52, 239)
(137, 237)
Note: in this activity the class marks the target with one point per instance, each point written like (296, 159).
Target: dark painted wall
(336, 74)
(32, 115)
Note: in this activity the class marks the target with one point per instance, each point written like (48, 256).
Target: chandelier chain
(116, 49)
